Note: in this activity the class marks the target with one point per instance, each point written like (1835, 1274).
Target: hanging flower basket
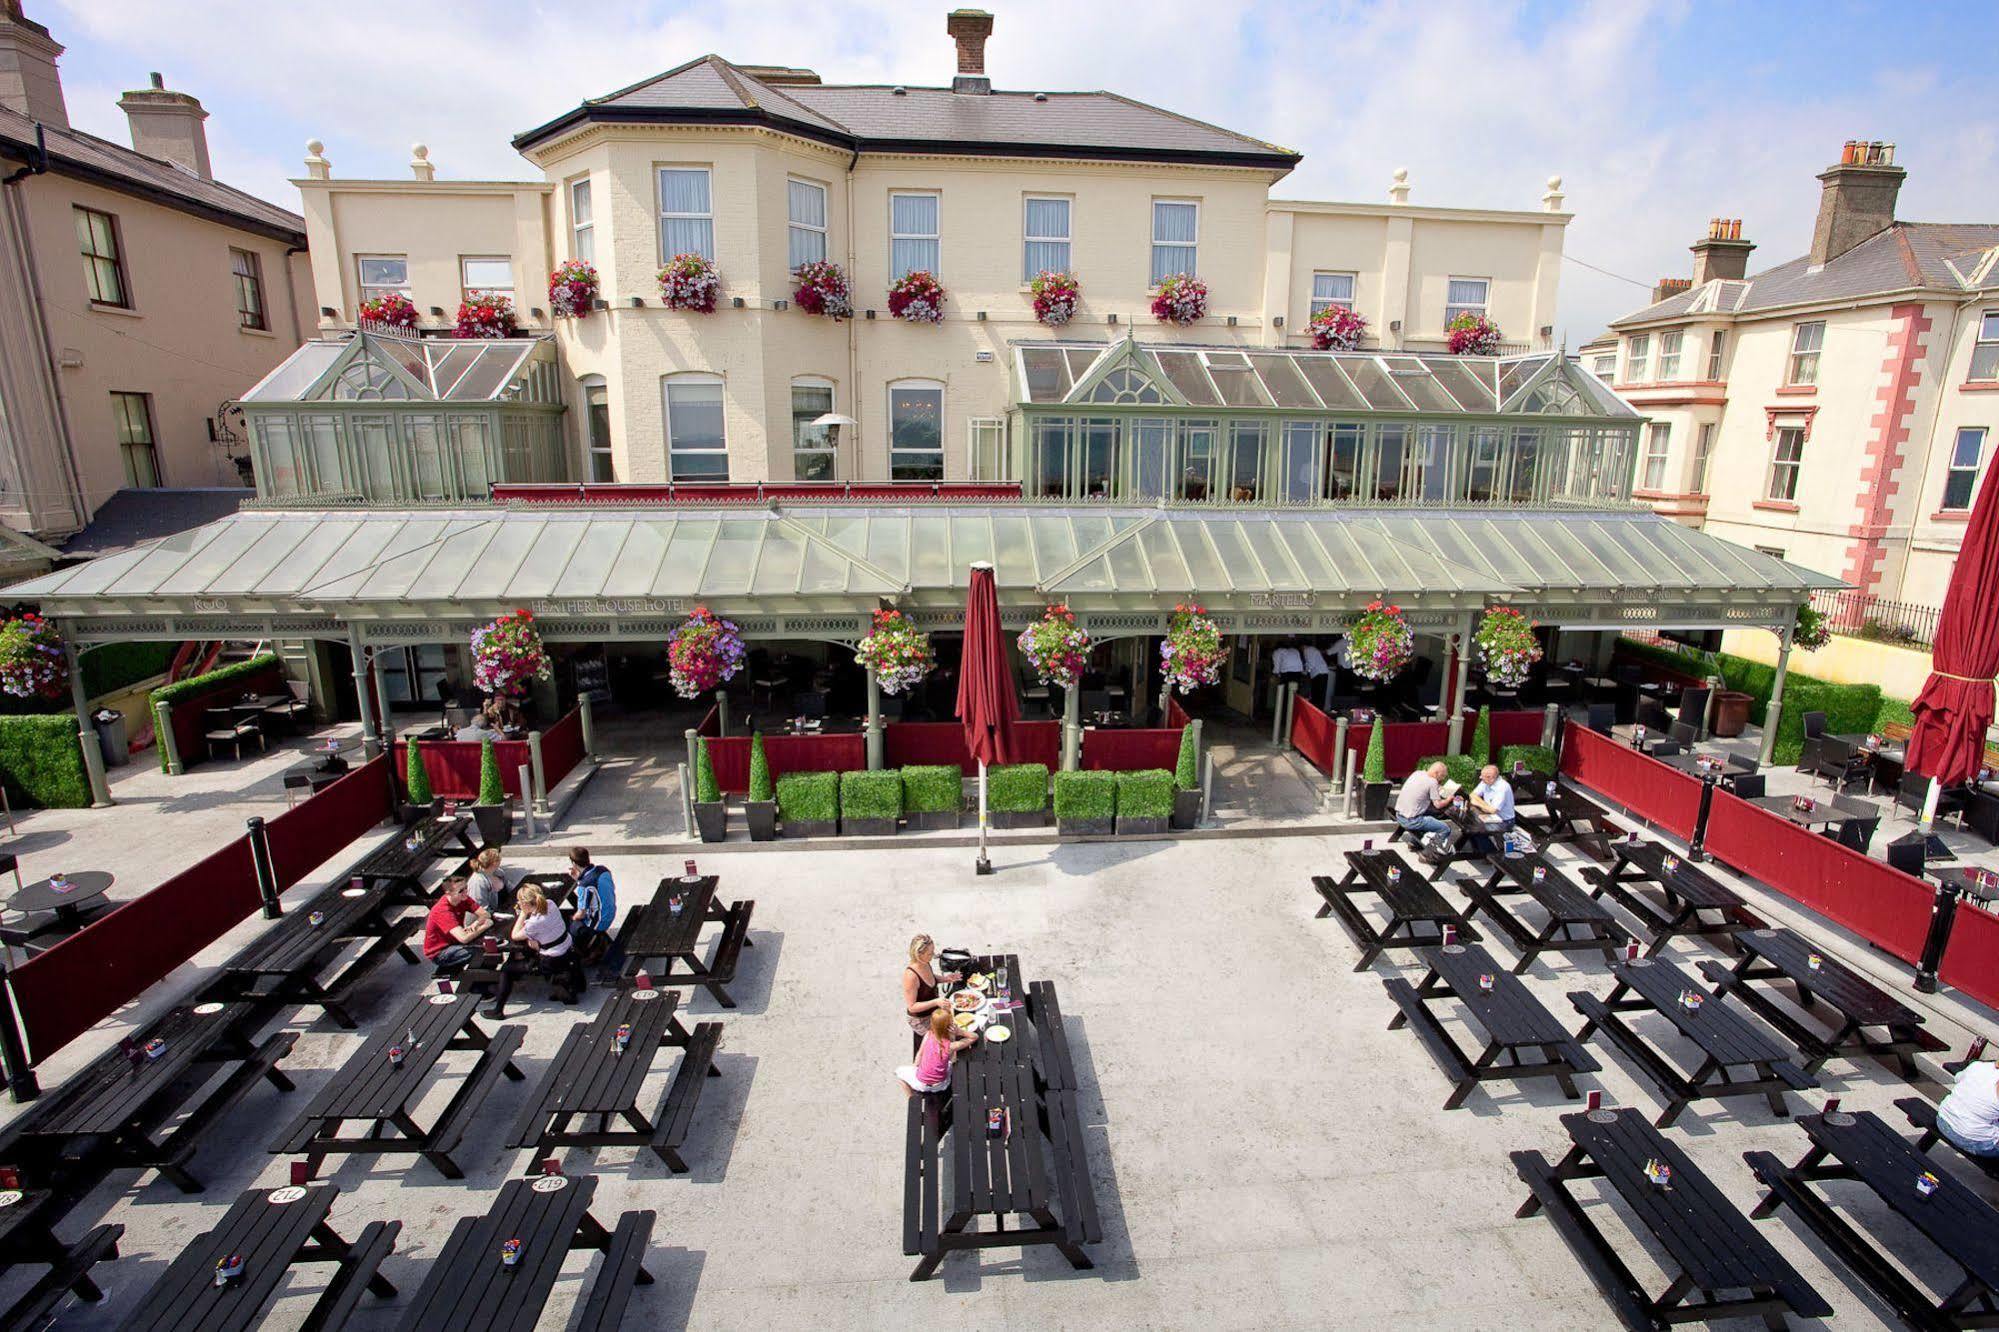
(485, 314)
(1380, 643)
(1472, 335)
(1814, 629)
(391, 309)
(1506, 646)
(1337, 328)
(821, 289)
(572, 290)
(917, 297)
(704, 653)
(690, 282)
(1192, 653)
(507, 656)
(1055, 297)
(1181, 299)
(32, 661)
(897, 652)
(1056, 647)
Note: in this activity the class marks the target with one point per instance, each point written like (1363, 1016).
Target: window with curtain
(1045, 237)
(812, 446)
(1806, 339)
(132, 413)
(1785, 461)
(1703, 454)
(1051, 456)
(1604, 368)
(696, 444)
(247, 273)
(597, 429)
(1638, 358)
(1669, 354)
(916, 432)
(1343, 444)
(493, 274)
(1429, 465)
(1176, 234)
(582, 222)
(1150, 446)
(1960, 485)
(1330, 289)
(1715, 347)
(805, 204)
(1658, 437)
(103, 261)
(686, 219)
(913, 235)
(1465, 295)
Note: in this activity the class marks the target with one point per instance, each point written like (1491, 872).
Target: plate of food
(998, 1032)
(964, 1001)
(966, 1021)
(978, 980)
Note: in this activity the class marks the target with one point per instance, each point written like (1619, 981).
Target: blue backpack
(596, 899)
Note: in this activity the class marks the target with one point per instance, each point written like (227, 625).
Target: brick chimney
(29, 83)
(1722, 253)
(1666, 287)
(167, 125)
(1858, 200)
(969, 28)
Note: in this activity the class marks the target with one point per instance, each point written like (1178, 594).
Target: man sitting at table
(1969, 1115)
(452, 928)
(1493, 797)
(1420, 799)
(596, 906)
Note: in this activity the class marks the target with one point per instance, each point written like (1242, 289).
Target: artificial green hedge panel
(201, 684)
(1086, 795)
(1017, 788)
(41, 762)
(116, 665)
(1187, 766)
(929, 788)
(1463, 768)
(1538, 758)
(808, 797)
(1145, 794)
(871, 795)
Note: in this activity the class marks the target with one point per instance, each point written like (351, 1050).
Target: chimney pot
(969, 28)
(1856, 199)
(1722, 254)
(159, 80)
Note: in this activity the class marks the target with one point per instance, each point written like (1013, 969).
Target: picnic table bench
(469, 1288)
(400, 862)
(654, 931)
(27, 1236)
(1570, 816)
(150, 1112)
(1518, 1028)
(1707, 1245)
(1691, 895)
(1775, 955)
(591, 1079)
(271, 1230)
(374, 1089)
(1417, 912)
(1728, 1039)
(1923, 1115)
(1961, 1224)
(1477, 837)
(282, 967)
(1576, 922)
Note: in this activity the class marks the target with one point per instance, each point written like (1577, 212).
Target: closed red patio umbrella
(1955, 707)
(986, 706)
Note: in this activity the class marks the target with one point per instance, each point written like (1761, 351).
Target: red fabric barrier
(1648, 788)
(190, 725)
(453, 766)
(1515, 728)
(318, 828)
(1404, 744)
(85, 978)
(711, 724)
(1312, 735)
(1883, 905)
(562, 747)
(729, 756)
(1176, 716)
(1971, 962)
(1108, 750)
(905, 743)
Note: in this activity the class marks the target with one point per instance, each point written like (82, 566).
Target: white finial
(316, 165)
(420, 165)
(1552, 200)
(419, 152)
(1399, 191)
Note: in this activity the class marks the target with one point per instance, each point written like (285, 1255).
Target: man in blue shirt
(1493, 797)
(596, 905)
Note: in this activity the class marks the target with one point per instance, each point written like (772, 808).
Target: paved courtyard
(1266, 1153)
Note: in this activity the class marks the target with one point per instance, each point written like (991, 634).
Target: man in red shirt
(453, 926)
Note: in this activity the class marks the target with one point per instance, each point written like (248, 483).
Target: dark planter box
(1186, 810)
(811, 828)
(761, 815)
(413, 814)
(1017, 818)
(930, 820)
(1086, 827)
(867, 827)
(1134, 827)
(1374, 798)
(496, 822)
(711, 819)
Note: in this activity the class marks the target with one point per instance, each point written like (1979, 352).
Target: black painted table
(1697, 905)
(654, 932)
(1570, 816)
(1417, 912)
(284, 964)
(1522, 1038)
(1828, 811)
(1773, 956)
(400, 862)
(69, 907)
(1575, 921)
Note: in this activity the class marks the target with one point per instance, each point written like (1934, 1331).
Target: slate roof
(133, 517)
(1946, 257)
(877, 118)
(76, 153)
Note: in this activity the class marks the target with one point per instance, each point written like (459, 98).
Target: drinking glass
(999, 974)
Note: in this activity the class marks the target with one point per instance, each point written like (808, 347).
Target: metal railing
(1864, 615)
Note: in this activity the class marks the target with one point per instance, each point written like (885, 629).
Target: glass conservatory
(1190, 424)
(382, 418)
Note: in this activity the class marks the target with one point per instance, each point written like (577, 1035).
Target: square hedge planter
(761, 816)
(496, 822)
(1134, 827)
(811, 828)
(411, 815)
(930, 820)
(1017, 818)
(1086, 827)
(867, 827)
(711, 819)
(1186, 810)
(1374, 800)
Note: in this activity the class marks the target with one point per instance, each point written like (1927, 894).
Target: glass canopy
(382, 367)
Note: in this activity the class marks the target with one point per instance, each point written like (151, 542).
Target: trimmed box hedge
(1187, 765)
(1538, 758)
(933, 788)
(1145, 794)
(1463, 768)
(871, 795)
(808, 797)
(41, 761)
(1017, 788)
(1087, 795)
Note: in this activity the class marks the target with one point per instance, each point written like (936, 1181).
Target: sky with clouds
(1657, 113)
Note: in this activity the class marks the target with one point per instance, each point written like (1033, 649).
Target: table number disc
(1603, 1116)
(1765, 933)
(551, 1183)
(444, 999)
(208, 1008)
(290, 1193)
(1840, 1119)
(1454, 949)
(8, 1197)
(1639, 962)
(641, 996)
(353, 892)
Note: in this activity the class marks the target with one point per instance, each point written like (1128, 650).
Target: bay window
(1638, 358)
(582, 222)
(1669, 354)
(1658, 436)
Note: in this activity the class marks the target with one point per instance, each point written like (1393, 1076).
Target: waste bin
(1731, 712)
(110, 725)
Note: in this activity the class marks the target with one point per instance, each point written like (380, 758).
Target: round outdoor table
(328, 752)
(86, 887)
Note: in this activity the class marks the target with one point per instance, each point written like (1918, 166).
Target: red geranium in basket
(485, 314)
(820, 288)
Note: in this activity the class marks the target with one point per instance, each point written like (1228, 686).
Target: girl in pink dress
(932, 1070)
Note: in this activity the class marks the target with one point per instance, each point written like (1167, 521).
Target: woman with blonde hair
(486, 883)
(936, 1051)
(919, 989)
(539, 926)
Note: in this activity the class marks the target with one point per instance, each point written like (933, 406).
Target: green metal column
(874, 723)
(86, 734)
(1772, 713)
(364, 693)
(1072, 727)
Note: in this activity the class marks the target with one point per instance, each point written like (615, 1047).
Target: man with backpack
(595, 909)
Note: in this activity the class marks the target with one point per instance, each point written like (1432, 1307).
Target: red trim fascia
(1797, 390)
(1979, 386)
(1951, 516)
(1774, 506)
(1770, 415)
(1888, 434)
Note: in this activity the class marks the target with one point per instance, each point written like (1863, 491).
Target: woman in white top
(541, 928)
(487, 884)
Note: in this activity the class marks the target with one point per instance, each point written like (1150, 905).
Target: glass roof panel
(1280, 376)
(299, 569)
(546, 559)
(888, 546)
(296, 374)
(1335, 389)
(1081, 359)
(972, 540)
(930, 548)
(1607, 403)
(402, 566)
(1237, 382)
(1317, 571)
(1515, 373)
(1204, 564)
(1128, 567)
(732, 565)
(448, 366)
(631, 573)
(821, 569)
(1163, 557)
(595, 556)
(402, 353)
(211, 561)
(1279, 570)
(1373, 384)
(1472, 387)
(680, 573)
(781, 562)
(1046, 372)
(1183, 369)
(491, 374)
(1013, 548)
(1419, 385)
(1054, 543)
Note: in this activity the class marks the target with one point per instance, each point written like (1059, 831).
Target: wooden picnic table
(1775, 955)
(1964, 1226)
(654, 932)
(1691, 895)
(27, 1236)
(282, 966)
(1519, 1030)
(1704, 1243)
(1035, 1167)
(271, 1230)
(400, 862)
(592, 1079)
(1729, 1041)
(469, 1287)
(1966, 879)
(1417, 912)
(1570, 816)
(1478, 835)
(1828, 811)
(374, 1089)
(1576, 922)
